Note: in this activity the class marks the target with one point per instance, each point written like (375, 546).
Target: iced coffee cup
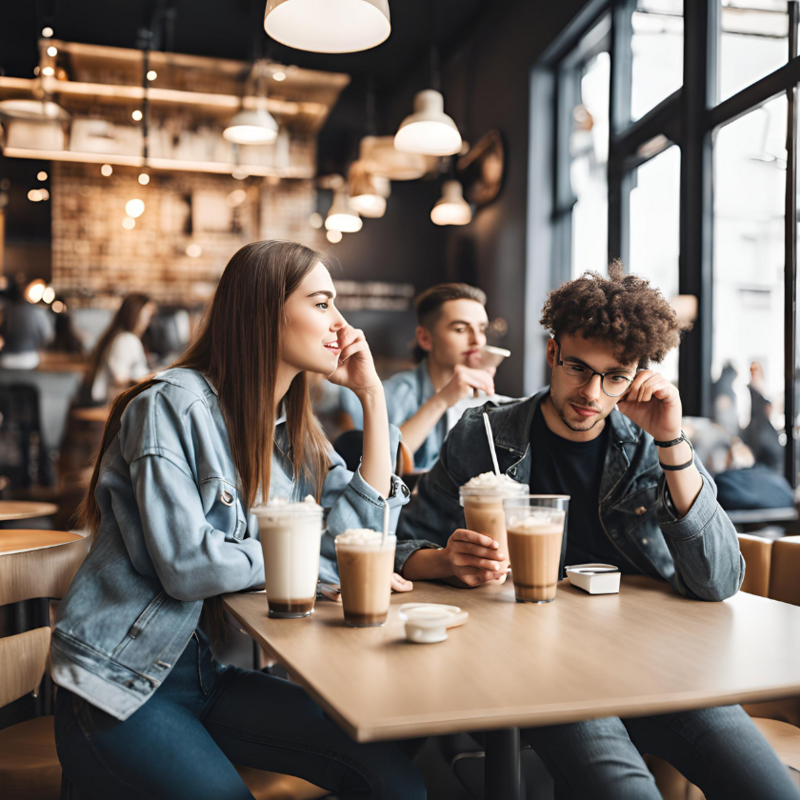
(366, 564)
(535, 526)
(482, 498)
(290, 536)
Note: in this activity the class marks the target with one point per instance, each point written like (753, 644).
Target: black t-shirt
(560, 466)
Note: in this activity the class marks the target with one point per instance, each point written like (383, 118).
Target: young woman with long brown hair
(143, 710)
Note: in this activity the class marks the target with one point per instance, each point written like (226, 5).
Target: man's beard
(560, 408)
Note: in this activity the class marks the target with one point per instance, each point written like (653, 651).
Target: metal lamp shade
(428, 130)
(341, 216)
(256, 126)
(367, 193)
(451, 208)
(328, 26)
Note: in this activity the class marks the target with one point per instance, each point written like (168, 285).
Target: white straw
(490, 439)
(385, 521)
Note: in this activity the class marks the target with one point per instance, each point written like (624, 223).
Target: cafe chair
(29, 766)
(757, 554)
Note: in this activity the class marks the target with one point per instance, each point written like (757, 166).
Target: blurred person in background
(746, 485)
(723, 397)
(760, 434)
(25, 330)
(426, 402)
(119, 358)
(68, 338)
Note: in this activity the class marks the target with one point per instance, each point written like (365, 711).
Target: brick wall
(191, 226)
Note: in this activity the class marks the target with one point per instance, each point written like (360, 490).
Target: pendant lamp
(451, 208)
(428, 130)
(341, 216)
(368, 193)
(328, 26)
(256, 125)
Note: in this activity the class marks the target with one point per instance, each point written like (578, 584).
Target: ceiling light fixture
(328, 26)
(143, 178)
(451, 208)
(428, 130)
(257, 125)
(341, 216)
(367, 193)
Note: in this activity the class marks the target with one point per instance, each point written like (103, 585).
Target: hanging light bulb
(328, 26)
(367, 192)
(341, 216)
(334, 237)
(134, 208)
(428, 130)
(451, 208)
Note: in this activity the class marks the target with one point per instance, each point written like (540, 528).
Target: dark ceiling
(227, 29)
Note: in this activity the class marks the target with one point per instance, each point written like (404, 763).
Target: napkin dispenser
(595, 578)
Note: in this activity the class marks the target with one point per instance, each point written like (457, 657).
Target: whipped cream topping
(281, 505)
(361, 537)
(489, 481)
(540, 521)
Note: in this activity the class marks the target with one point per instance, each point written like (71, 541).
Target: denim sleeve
(192, 559)
(703, 544)
(353, 503)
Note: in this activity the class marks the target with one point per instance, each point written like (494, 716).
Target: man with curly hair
(607, 432)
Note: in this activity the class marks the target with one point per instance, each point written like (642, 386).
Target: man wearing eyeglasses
(607, 432)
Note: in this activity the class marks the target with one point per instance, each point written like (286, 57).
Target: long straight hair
(238, 347)
(126, 319)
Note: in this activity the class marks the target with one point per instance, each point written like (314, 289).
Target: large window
(655, 230)
(687, 167)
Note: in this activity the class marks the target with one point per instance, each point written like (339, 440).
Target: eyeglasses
(613, 384)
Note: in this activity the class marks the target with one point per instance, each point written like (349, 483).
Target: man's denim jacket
(173, 532)
(698, 553)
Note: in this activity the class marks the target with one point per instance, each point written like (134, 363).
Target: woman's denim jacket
(173, 532)
(698, 553)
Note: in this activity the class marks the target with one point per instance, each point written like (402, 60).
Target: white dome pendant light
(451, 208)
(368, 193)
(328, 26)
(253, 125)
(341, 217)
(428, 130)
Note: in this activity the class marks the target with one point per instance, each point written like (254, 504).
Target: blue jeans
(204, 718)
(720, 750)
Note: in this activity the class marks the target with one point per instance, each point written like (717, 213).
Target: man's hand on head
(654, 404)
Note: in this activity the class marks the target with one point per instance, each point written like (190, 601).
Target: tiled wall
(191, 225)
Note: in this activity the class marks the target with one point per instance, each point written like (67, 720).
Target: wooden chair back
(757, 554)
(26, 574)
(784, 582)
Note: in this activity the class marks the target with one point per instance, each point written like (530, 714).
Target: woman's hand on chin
(356, 370)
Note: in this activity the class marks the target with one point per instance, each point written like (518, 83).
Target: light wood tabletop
(25, 541)
(25, 509)
(646, 650)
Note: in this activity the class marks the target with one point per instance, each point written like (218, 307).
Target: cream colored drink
(290, 536)
(366, 564)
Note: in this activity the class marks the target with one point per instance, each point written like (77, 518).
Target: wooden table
(25, 509)
(24, 541)
(644, 651)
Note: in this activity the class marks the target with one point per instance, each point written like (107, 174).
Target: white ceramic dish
(427, 623)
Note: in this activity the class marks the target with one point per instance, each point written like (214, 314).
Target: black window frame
(689, 119)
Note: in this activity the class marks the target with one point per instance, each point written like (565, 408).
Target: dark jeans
(720, 750)
(204, 718)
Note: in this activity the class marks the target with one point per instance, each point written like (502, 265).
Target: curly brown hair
(621, 309)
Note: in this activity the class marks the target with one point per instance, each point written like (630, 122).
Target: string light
(143, 179)
(128, 223)
(52, 51)
(106, 170)
(137, 115)
(152, 75)
(47, 32)
(41, 176)
(134, 208)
